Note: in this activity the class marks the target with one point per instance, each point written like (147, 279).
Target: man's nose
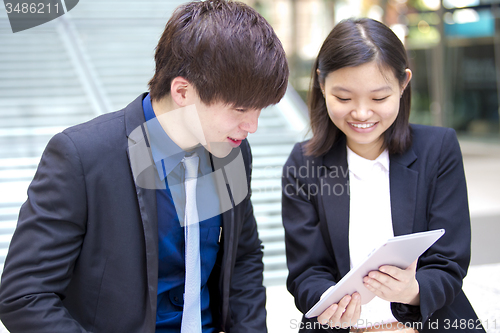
(251, 121)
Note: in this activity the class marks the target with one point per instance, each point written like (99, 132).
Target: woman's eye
(380, 99)
(343, 99)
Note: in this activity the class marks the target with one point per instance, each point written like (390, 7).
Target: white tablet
(399, 251)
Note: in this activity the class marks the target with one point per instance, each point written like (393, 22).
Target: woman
(367, 175)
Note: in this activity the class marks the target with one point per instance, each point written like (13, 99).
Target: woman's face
(363, 102)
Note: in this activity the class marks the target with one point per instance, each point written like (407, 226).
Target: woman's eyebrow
(338, 88)
(384, 88)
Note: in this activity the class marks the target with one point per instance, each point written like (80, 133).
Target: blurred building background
(453, 46)
(99, 57)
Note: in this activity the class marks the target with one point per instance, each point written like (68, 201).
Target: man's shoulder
(104, 120)
(111, 123)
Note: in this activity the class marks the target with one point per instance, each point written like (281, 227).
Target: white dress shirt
(370, 221)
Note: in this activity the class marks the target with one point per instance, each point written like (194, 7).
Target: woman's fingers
(327, 314)
(394, 284)
(343, 314)
(352, 312)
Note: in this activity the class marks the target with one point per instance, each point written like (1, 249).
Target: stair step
(268, 221)
(267, 208)
(19, 162)
(7, 227)
(268, 235)
(16, 174)
(13, 192)
(9, 213)
(5, 240)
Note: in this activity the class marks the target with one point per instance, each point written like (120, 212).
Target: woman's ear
(407, 80)
(180, 91)
(321, 85)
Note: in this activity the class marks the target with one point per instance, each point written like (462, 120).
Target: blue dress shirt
(167, 157)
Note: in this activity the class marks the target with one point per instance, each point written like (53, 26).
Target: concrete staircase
(40, 95)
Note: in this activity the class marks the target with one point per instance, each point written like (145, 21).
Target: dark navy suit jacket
(84, 256)
(428, 191)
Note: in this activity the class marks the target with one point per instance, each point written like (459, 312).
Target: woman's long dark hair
(354, 42)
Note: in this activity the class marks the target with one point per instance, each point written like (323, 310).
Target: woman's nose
(361, 113)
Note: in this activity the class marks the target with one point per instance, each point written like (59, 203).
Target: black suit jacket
(84, 256)
(428, 191)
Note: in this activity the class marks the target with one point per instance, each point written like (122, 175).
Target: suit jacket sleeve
(45, 245)
(248, 295)
(309, 263)
(442, 268)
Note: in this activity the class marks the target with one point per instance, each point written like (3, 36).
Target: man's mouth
(234, 142)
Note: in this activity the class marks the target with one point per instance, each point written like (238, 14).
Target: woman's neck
(369, 151)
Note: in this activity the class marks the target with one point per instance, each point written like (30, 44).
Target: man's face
(224, 126)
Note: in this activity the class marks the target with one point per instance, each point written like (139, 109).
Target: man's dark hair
(353, 43)
(226, 50)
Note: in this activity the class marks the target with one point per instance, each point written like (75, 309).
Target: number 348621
(469, 324)
(32, 8)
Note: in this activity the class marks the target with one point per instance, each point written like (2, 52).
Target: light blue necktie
(191, 314)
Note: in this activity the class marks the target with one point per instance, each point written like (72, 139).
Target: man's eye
(240, 109)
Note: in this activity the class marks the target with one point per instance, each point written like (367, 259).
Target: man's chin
(219, 149)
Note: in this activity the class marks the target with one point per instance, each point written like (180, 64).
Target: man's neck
(182, 124)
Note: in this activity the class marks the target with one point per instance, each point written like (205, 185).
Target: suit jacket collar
(336, 204)
(135, 130)
(134, 115)
(403, 187)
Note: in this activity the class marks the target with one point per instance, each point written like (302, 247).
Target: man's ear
(181, 91)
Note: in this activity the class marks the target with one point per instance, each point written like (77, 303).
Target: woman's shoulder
(299, 156)
(424, 135)
(299, 150)
(427, 130)
(432, 143)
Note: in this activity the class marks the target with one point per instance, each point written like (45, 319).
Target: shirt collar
(361, 166)
(163, 148)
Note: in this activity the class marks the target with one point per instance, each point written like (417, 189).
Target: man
(121, 232)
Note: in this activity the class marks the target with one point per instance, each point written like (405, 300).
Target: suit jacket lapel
(403, 187)
(227, 203)
(336, 203)
(144, 173)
